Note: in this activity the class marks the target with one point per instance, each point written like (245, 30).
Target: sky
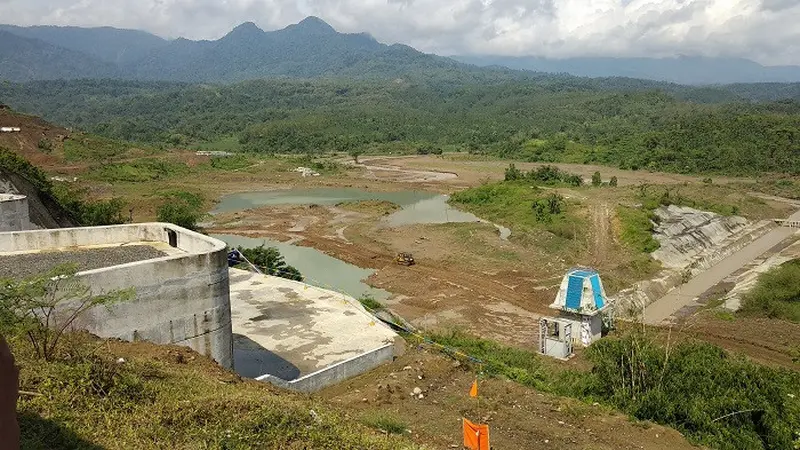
(767, 31)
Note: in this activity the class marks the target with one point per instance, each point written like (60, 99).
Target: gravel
(29, 264)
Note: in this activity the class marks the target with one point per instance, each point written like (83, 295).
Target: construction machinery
(404, 259)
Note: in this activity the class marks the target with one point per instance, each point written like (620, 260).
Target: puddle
(416, 207)
(318, 268)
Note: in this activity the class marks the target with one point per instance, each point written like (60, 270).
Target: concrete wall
(338, 372)
(14, 214)
(179, 299)
(629, 303)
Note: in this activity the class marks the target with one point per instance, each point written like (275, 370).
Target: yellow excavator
(404, 259)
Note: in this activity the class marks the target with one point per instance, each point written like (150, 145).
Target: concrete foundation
(14, 215)
(182, 298)
(302, 337)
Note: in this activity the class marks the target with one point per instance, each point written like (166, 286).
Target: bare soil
(518, 417)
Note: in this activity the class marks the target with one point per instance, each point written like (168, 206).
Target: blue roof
(583, 273)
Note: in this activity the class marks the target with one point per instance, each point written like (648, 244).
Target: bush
(713, 398)
(545, 208)
(612, 182)
(544, 174)
(89, 213)
(43, 308)
(179, 213)
(597, 180)
(429, 149)
(45, 145)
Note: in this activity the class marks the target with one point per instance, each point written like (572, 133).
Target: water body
(318, 268)
(416, 207)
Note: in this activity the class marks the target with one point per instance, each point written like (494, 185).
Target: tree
(44, 307)
(597, 180)
(270, 261)
(513, 174)
(612, 182)
(179, 213)
(355, 153)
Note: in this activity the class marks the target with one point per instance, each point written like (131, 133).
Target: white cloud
(767, 31)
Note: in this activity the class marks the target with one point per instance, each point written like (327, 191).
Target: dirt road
(661, 311)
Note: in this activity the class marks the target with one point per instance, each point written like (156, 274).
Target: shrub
(597, 180)
(45, 145)
(715, 399)
(545, 208)
(44, 307)
(179, 213)
(612, 182)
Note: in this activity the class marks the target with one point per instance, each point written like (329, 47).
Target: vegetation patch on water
(520, 205)
(776, 294)
(381, 207)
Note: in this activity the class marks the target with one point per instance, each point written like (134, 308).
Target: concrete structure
(555, 337)
(181, 298)
(14, 215)
(692, 242)
(580, 300)
(303, 337)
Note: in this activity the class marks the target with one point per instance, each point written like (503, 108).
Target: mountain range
(680, 69)
(312, 48)
(308, 49)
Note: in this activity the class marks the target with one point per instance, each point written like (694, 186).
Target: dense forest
(552, 119)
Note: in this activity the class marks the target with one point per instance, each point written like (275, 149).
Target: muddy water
(318, 268)
(416, 207)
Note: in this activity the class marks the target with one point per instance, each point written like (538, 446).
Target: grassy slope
(168, 397)
(776, 295)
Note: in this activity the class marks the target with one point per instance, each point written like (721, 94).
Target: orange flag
(476, 436)
(474, 391)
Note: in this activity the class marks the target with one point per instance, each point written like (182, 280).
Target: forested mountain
(311, 48)
(25, 59)
(683, 69)
(549, 119)
(308, 49)
(112, 45)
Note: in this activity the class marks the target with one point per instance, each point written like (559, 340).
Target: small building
(581, 301)
(10, 129)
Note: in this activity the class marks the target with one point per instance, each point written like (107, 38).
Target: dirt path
(601, 220)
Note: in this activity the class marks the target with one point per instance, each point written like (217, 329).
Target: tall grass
(637, 229)
(776, 294)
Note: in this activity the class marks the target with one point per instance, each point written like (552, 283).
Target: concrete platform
(302, 337)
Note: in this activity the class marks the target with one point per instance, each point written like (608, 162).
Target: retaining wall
(179, 299)
(630, 302)
(14, 215)
(338, 372)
